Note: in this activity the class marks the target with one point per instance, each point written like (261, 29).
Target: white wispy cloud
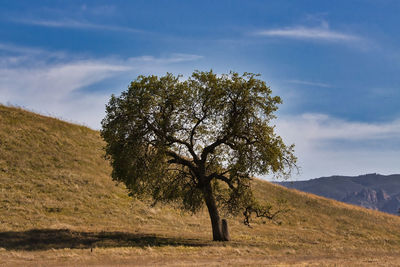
(323, 33)
(324, 127)
(327, 146)
(55, 88)
(31, 51)
(173, 58)
(76, 24)
(54, 82)
(318, 84)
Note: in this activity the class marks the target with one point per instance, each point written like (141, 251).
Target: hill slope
(56, 193)
(373, 191)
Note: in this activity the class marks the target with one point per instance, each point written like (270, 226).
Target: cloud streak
(75, 24)
(323, 127)
(317, 84)
(327, 146)
(308, 33)
(55, 88)
(52, 84)
(173, 58)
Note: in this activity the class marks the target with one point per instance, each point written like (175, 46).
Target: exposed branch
(262, 212)
(291, 163)
(222, 178)
(177, 159)
(189, 147)
(230, 133)
(210, 149)
(195, 126)
(163, 135)
(184, 173)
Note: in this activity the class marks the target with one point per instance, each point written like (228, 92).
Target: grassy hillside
(58, 204)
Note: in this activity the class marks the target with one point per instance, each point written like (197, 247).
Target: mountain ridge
(372, 191)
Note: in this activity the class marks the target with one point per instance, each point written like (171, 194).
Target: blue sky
(336, 65)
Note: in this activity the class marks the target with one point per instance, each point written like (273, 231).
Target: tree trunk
(225, 230)
(214, 214)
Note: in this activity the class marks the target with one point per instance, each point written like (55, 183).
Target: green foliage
(174, 140)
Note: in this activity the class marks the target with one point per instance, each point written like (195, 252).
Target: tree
(196, 141)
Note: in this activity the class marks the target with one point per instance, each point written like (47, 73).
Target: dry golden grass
(59, 206)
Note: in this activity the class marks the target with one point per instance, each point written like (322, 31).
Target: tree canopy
(196, 141)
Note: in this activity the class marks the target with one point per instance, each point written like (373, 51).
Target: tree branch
(210, 149)
(189, 147)
(230, 132)
(187, 174)
(177, 159)
(222, 178)
(262, 212)
(195, 126)
(172, 139)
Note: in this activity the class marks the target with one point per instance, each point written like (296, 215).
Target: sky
(336, 65)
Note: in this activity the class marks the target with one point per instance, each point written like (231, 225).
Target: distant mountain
(372, 191)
